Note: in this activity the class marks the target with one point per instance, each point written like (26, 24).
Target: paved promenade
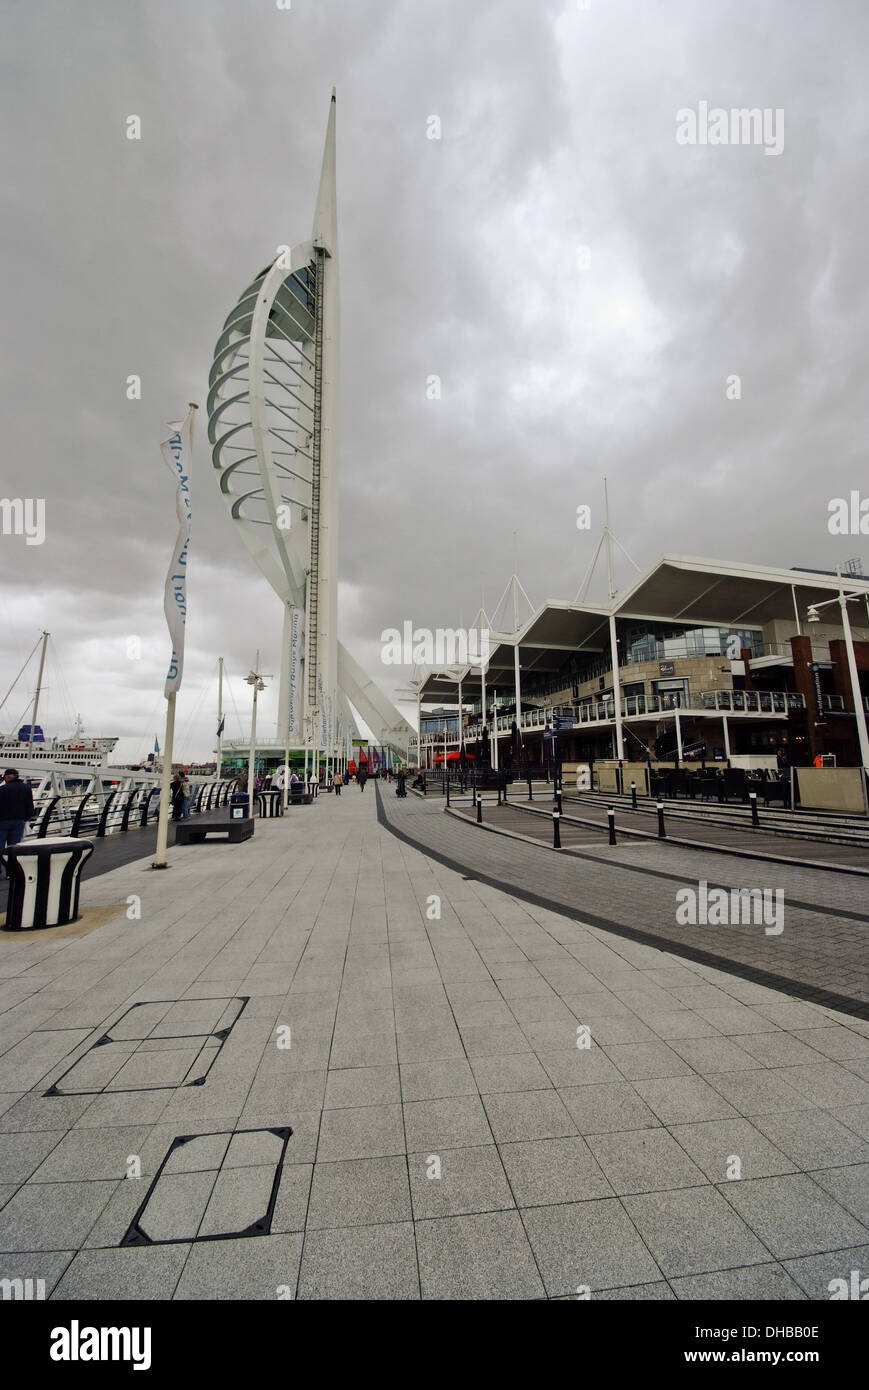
(821, 953)
(416, 1030)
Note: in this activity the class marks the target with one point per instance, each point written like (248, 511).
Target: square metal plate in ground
(157, 1045)
(213, 1187)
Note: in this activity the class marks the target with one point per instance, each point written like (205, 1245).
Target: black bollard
(448, 791)
(633, 796)
(611, 817)
(558, 806)
(530, 793)
(662, 834)
(752, 798)
(499, 793)
(479, 810)
(556, 830)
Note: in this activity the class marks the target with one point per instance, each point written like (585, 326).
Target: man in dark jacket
(16, 808)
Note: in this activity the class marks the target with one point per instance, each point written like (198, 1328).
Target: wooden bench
(233, 831)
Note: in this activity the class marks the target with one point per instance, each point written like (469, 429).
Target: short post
(558, 806)
(479, 810)
(530, 793)
(499, 793)
(448, 791)
(556, 830)
(752, 800)
(505, 789)
(662, 834)
(633, 796)
(611, 817)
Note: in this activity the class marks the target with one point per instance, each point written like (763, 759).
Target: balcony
(753, 701)
(771, 702)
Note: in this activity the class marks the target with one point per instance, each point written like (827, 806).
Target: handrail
(101, 828)
(42, 829)
(125, 820)
(77, 818)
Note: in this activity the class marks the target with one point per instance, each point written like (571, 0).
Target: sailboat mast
(38, 690)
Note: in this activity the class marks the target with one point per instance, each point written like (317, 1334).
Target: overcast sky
(460, 257)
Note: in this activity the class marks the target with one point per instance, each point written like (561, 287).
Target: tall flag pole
(177, 453)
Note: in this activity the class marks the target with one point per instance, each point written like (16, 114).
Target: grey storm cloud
(582, 285)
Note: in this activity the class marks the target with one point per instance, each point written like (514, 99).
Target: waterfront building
(699, 660)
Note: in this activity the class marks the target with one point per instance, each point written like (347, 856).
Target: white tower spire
(273, 425)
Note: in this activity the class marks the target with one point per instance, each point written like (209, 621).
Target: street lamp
(255, 680)
(843, 600)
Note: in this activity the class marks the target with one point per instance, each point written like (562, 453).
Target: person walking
(177, 795)
(16, 809)
(337, 783)
(362, 778)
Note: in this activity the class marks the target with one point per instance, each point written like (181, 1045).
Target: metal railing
(116, 811)
(772, 702)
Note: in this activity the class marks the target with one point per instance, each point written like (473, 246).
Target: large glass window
(661, 642)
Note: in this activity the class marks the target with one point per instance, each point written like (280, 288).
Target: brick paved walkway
(449, 1137)
(821, 954)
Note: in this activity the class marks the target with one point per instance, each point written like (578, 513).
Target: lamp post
(255, 680)
(843, 600)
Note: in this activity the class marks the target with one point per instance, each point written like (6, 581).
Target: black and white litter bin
(270, 803)
(44, 881)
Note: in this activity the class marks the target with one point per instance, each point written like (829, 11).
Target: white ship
(78, 750)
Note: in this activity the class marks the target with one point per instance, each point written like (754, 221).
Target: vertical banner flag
(296, 635)
(324, 728)
(177, 453)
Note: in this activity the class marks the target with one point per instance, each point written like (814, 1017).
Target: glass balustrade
(636, 706)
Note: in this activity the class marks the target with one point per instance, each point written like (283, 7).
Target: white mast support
(38, 690)
(219, 718)
(678, 734)
(726, 737)
(518, 685)
(165, 781)
(609, 547)
(796, 610)
(251, 764)
(460, 717)
(324, 443)
(617, 689)
(495, 763)
(859, 711)
(589, 574)
(386, 723)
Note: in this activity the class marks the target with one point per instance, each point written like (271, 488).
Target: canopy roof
(678, 589)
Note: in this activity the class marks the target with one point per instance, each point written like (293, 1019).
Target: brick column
(804, 681)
